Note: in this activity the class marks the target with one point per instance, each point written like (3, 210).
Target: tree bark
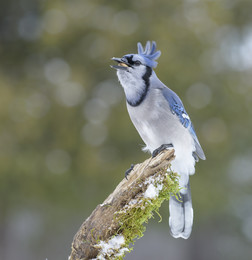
(102, 224)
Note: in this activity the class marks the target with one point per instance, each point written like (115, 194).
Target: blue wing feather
(178, 109)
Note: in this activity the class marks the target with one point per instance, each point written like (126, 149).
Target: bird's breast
(157, 125)
(154, 121)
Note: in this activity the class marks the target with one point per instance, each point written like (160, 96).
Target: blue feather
(149, 53)
(178, 109)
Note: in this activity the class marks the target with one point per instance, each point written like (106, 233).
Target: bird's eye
(137, 62)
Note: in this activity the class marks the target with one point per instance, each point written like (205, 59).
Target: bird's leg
(128, 171)
(160, 149)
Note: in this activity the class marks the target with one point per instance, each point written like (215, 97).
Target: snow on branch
(114, 225)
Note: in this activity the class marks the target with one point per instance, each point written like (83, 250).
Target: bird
(162, 122)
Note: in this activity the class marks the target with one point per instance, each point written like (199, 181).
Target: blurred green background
(66, 138)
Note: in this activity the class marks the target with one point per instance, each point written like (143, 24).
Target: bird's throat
(141, 92)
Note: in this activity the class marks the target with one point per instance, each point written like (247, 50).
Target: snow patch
(152, 191)
(112, 247)
(154, 187)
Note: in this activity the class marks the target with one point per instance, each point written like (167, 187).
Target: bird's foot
(160, 149)
(128, 171)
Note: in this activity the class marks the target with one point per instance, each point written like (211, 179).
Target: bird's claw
(128, 171)
(160, 149)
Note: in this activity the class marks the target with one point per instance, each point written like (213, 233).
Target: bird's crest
(149, 53)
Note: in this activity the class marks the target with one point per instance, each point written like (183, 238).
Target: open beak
(122, 65)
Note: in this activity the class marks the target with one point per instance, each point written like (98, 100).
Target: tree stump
(108, 232)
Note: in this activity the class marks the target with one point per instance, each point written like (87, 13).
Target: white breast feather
(157, 125)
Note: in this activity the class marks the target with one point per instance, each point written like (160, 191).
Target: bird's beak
(122, 65)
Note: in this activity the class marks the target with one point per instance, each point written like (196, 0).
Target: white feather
(157, 125)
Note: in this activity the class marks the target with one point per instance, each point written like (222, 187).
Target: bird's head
(131, 68)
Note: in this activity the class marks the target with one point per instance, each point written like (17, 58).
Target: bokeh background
(66, 138)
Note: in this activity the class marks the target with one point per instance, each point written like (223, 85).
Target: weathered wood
(101, 224)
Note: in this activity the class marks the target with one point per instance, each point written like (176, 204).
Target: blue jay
(161, 120)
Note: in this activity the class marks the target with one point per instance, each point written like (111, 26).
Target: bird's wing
(177, 108)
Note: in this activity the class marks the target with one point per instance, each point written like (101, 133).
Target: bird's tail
(181, 213)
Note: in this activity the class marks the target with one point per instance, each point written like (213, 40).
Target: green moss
(133, 217)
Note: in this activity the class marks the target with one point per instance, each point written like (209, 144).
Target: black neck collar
(146, 78)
